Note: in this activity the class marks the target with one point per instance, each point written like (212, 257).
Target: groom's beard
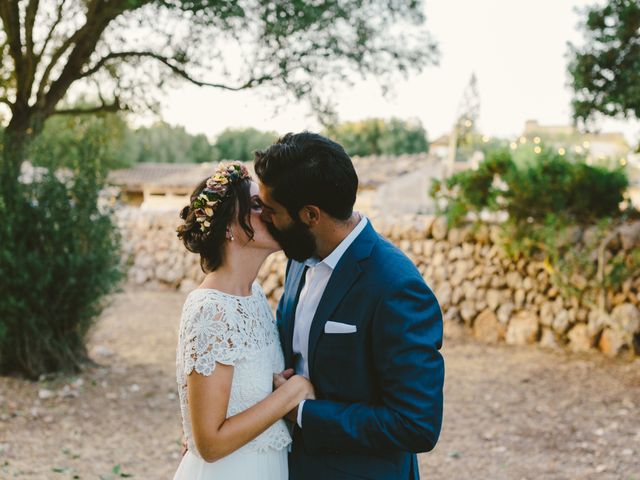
(297, 242)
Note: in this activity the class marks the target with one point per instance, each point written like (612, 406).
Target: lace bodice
(238, 331)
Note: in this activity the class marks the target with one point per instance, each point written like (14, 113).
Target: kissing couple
(346, 382)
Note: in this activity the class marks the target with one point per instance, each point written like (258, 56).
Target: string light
(561, 151)
(485, 138)
(537, 149)
(623, 161)
(585, 144)
(536, 140)
(523, 140)
(513, 145)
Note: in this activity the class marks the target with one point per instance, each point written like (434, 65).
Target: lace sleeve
(210, 334)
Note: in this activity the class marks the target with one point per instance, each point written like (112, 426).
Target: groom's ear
(309, 215)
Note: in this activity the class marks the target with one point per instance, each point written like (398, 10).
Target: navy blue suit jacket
(379, 390)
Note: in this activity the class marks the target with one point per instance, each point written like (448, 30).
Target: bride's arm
(215, 435)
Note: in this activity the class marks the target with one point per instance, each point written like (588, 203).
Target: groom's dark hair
(309, 169)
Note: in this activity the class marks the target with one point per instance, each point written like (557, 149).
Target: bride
(228, 346)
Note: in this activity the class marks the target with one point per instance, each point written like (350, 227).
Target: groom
(356, 318)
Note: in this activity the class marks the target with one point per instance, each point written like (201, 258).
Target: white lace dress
(238, 331)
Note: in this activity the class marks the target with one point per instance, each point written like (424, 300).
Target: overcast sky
(517, 48)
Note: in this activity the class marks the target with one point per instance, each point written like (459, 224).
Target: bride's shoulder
(204, 303)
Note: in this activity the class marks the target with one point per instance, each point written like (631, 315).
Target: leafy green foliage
(60, 143)
(558, 210)
(605, 71)
(59, 257)
(240, 143)
(528, 191)
(376, 136)
(126, 53)
(164, 143)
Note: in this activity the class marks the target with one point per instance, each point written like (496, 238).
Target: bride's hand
(303, 389)
(306, 387)
(298, 383)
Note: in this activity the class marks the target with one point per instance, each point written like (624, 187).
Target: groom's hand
(281, 378)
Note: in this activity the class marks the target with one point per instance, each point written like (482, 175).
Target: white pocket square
(337, 327)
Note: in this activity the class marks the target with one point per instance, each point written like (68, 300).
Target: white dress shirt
(316, 280)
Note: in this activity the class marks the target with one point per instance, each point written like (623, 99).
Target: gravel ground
(509, 413)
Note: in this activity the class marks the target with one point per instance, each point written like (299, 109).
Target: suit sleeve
(406, 338)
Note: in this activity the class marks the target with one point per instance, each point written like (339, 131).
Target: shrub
(59, 257)
(531, 190)
(550, 202)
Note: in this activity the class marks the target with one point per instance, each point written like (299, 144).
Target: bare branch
(29, 21)
(100, 13)
(115, 106)
(54, 59)
(30, 56)
(49, 36)
(176, 69)
(10, 16)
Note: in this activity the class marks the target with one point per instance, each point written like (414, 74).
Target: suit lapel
(295, 282)
(343, 277)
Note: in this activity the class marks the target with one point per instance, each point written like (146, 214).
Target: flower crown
(216, 190)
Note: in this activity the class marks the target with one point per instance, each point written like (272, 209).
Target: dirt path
(509, 413)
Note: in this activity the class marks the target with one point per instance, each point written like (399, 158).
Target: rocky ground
(510, 412)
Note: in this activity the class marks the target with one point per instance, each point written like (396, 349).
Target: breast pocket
(340, 366)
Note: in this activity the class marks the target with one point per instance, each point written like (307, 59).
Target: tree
(124, 49)
(605, 71)
(164, 143)
(240, 143)
(402, 137)
(376, 136)
(60, 143)
(121, 54)
(465, 130)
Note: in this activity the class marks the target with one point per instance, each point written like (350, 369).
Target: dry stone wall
(482, 292)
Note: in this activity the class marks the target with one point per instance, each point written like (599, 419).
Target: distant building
(159, 186)
(440, 147)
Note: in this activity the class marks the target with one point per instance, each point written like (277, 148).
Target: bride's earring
(230, 235)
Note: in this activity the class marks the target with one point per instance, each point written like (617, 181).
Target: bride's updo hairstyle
(215, 203)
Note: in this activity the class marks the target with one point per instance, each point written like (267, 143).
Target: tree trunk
(13, 151)
(22, 129)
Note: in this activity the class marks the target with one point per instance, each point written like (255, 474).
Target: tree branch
(49, 36)
(115, 106)
(167, 61)
(99, 14)
(52, 63)
(10, 16)
(30, 56)
(29, 21)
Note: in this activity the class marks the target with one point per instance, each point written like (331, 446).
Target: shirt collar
(334, 257)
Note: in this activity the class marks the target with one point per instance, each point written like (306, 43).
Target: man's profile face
(292, 234)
